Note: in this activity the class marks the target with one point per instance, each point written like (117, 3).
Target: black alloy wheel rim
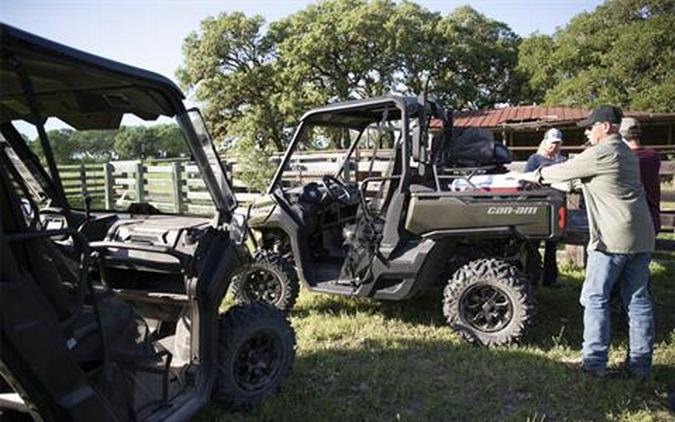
(486, 308)
(258, 361)
(263, 285)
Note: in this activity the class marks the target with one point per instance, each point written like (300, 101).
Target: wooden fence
(171, 186)
(175, 185)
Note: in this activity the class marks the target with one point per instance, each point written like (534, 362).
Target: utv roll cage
(359, 114)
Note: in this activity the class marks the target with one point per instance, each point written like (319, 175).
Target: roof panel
(537, 115)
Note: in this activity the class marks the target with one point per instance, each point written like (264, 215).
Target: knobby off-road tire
(268, 278)
(256, 348)
(488, 302)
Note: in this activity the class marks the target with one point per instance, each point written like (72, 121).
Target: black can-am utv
(115, 315)
(426, 220)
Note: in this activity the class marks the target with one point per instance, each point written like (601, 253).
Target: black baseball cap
(603, 113)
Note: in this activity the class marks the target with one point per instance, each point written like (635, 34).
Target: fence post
(108, 183)
(140, 182)
(177, 183)
(83, 181)
(576, 254)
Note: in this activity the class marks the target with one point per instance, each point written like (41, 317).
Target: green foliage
(255, 166)
(63, 146)
(621, 53)
(70, 146)
(340, 49)
(129, 142)
(255, 81)
(160, 141)
(533, 60)
(135, 142)
(353, 48)
(229, 66)
(171, 142)
(93, 145)
(483, 54)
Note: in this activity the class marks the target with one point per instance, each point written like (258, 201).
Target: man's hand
(531, 176)
(562, 186)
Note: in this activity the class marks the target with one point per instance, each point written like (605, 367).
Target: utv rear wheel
(269, 278)
(255, 352)
(488, 302)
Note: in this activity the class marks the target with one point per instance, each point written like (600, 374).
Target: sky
(149, 33)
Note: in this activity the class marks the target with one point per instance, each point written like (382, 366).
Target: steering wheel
(336, 189)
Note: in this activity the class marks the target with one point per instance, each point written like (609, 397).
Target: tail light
(562, 212)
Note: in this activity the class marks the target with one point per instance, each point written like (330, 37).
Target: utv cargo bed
(536, 214)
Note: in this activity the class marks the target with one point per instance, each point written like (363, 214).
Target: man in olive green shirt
(621, 239)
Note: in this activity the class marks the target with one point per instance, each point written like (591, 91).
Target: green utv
(109, 315)
(424, 221)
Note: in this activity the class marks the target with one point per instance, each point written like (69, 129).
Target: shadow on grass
(404, 377)
(442, 380)
(558, 315)
(423, 310)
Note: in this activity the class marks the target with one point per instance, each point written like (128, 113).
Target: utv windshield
(140, 162)
(204, 153)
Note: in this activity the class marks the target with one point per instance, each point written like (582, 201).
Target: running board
(152, 297)
(334, 287)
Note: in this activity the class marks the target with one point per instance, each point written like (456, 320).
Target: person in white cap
(547, 154)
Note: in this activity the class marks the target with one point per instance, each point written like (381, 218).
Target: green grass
(665, 254)
(363, 360)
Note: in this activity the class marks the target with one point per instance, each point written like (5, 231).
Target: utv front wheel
(488, 302)
(255, 352)
(269, 278)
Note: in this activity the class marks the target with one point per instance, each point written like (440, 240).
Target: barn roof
(534, 116)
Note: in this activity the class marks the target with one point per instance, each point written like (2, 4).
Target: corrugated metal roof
(536, 116)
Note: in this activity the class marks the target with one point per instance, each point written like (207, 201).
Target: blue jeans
(631, 271)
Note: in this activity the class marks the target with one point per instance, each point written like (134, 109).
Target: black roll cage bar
(29, 93)
(400, 103)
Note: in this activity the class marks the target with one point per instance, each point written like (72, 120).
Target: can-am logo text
(512, 210)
